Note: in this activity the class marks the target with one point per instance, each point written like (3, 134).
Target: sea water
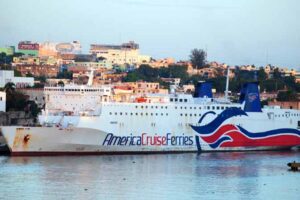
(228, 175)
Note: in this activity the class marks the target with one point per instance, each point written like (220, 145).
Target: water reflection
(163, 176)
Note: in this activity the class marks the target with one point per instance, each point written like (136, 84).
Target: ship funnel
(250, 96)
(203, 89)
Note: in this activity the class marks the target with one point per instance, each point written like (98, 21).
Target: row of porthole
(205, 107)
(141, 114)
(290, 115)
(153, 114)
(191, 115)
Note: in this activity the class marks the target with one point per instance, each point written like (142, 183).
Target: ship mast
(91, 77)
(227, 83)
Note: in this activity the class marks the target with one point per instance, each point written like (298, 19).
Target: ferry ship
(87, 120)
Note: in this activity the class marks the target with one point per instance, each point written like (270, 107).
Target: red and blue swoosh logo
(217, 134)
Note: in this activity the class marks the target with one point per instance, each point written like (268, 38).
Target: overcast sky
(232, 31)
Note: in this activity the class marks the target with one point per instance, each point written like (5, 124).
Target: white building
(7, 76)
(127, 53)
(2, 101)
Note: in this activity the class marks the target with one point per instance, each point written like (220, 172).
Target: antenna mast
(227, 83)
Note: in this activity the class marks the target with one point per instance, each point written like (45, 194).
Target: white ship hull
(96, 135)
(176, 123)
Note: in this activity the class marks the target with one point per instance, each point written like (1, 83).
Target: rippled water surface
(254, 175)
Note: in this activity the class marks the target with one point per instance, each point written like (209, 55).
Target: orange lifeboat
(140, 100)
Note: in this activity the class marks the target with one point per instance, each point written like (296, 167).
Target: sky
(235, 32)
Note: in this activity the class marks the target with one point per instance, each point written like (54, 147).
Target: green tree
(287, 96)
(42, 79)
(261, 74)
(174, 71)
(29, 74)
(10, 87)
(61, 83)
(198, 58)
(17, 73)
(276, 74)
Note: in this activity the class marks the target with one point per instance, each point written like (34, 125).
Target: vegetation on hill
(17, 101)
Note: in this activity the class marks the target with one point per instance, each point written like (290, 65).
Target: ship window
(191, 108)
(161, 107)
(213, 107)
(171, 99)
(156, 107)
(185, 114)
(167, 114)
(175, 107)
(151, 114)
(180, 107)
(161, 114)
(131, 113)
(156, 114)
(184, 107)
(110, 113)
(185, 100)
(199, 115)
(136, 113)
(222, 107)
(180, 114)
(208, 107)
(126, 113)
(136, 106)
(166, 107)
(142, 107)
(146, 106)
(195, 115)
(116, 113)
(176, 100)
(218, 108)
(180, 100)
(191, 115)
(141, 114)
(199, 108)
(120, 113)
(146, 114)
